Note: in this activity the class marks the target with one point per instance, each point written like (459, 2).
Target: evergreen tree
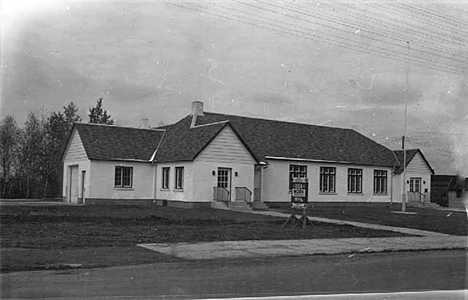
(98, 115)
(58, 130)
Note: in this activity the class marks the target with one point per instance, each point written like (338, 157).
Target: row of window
(179, 178)
(124, 177)
(328, 179)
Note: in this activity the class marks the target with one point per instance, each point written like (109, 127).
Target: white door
(415, 189)
(224, 180)
(73, 192)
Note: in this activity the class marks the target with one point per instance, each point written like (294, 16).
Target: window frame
(165, 177)
(380, 176)
(355, 180)
(119, 177)
(179, 177)
(296, 169)
(327, 183)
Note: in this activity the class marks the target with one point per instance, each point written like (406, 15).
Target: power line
(450, 7)
(430, 147)
(341, 24)
(388, 34)
(413, 32)
(385, 52)
(419, 22)
(420, 10)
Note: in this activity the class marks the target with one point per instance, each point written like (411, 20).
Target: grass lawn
(443, 221)
(37, 237)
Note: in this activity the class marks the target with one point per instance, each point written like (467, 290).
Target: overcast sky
(318, 62)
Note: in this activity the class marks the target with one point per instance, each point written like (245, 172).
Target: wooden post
(304, 220)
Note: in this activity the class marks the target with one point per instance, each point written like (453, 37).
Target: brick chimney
(197, 110)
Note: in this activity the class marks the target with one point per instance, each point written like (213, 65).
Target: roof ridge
(412, 149)
(279, 121)
(157, 147)
(210, 124)
(118, 126)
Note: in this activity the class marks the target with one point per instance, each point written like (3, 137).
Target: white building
(418, 176)
(208, 158)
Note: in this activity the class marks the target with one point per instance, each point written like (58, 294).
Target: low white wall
(103, 176)
(276, 183)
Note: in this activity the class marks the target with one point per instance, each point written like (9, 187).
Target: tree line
(31, 157)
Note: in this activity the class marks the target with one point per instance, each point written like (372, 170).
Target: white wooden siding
(76, 150)
(418, 166)
(227, 148)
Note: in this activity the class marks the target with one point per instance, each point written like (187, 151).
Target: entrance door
(82, 198)
(224, 180)
(415, 189)
(73, 192)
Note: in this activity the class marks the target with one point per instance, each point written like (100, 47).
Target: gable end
(75, 149)
(227, 147)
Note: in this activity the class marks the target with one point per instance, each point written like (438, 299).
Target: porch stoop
(239, 205)
(423, 204)
(259, 206)
(219, 205)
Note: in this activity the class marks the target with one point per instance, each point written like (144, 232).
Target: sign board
(299, 192)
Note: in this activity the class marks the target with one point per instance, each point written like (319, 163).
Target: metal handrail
(244, 189)
(418, 192)
(216, 190)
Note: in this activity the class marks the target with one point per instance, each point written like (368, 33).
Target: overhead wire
(410, 140)
(449, 7)
(417, 44)
(419, 23)
(255, 22)
(387, 27)
(423, 11)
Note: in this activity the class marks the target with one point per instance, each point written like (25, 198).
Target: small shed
(449, 190)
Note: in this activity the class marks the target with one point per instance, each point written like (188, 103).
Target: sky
(333, 63)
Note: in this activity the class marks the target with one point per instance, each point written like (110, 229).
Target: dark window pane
(118, 176)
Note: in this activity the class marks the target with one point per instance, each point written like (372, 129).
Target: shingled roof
(182, 143)
(269, 138)
(106, 142)
(265, 139)
(410, 153)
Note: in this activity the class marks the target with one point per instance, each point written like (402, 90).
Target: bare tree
(9, 139)
(33, 149)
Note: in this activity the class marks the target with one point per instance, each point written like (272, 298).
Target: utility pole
(405, 194)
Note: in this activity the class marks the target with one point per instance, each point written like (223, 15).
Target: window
(165, 177)
(380, 182)
(296, 171)
(224, 178)
(327, 179)
(123, 177)
(459, 193)
(415, 185)
(354, 180)
(179, 178)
